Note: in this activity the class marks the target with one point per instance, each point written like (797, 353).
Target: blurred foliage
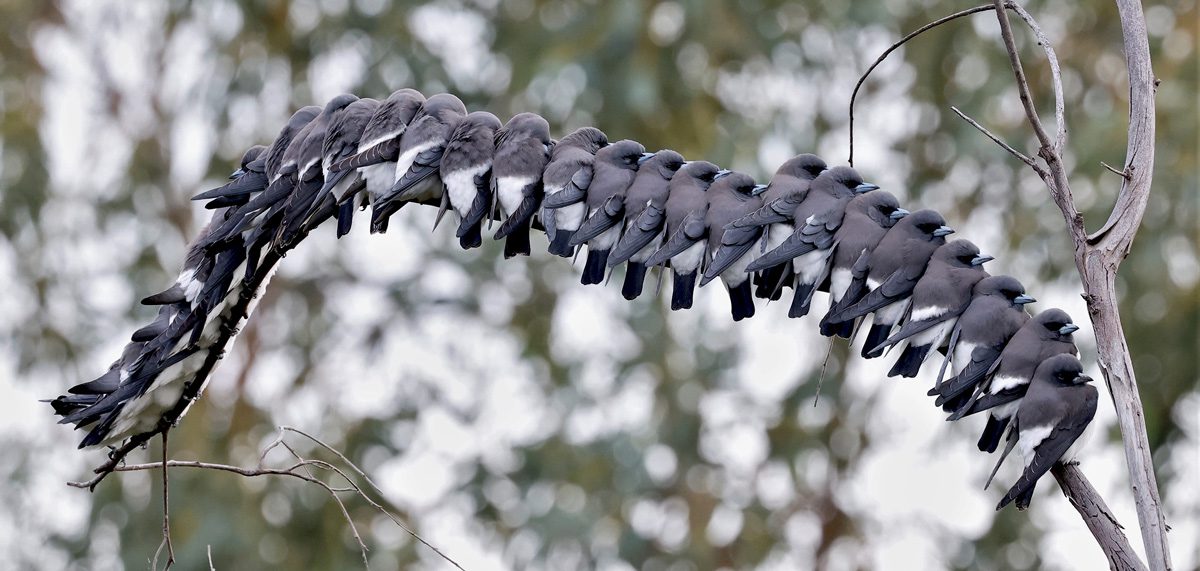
(94, 219)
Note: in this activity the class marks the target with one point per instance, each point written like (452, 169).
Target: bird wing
(894, 288)
(816, 234)
(639, 234)
(481, 206)
(380, 153)
(610, 213)
(575, 191)
(1052, 448)
(531, 197)
(984, 361)
(245, 184)
(781, 209)
(424, 165)
(735, 243)
(691, 230)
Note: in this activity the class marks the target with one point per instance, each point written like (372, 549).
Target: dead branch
(1099, 519)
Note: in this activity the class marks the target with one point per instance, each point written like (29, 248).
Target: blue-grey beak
(865, 187)
(645, 157)
(898, 214)
(237, 173)
(758, 189)
(721, 173)
(1068, 329)
(943, 231)
(1023, 299)
(1082, 379)
(981, 260)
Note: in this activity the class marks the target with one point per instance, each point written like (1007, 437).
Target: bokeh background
(517, 419)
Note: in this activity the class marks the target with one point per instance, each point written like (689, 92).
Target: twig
(1123, 174)
(1099, 519)
(821, 379)
(211, 567)
(166, 524)
(1024, 158)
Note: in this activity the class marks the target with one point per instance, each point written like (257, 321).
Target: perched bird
(683, 212)
(379, 145)
(996, 312)
(810, 246)
(569, 173)
(420, 155)
(1046, 335)
(940, 296)
(341, 142)
(243, 182)
(523, 148)
(613, 171)
(466, 172)
(1053, 415)
(644, 207)
(731, 198)
(786, 191)
(883, 281)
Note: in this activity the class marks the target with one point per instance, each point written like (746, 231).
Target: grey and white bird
(341, 142)
(995, 314)
(420, 155)
(809, 249)
(645, 204)
(379, 145)
(1046, 335)
(731, 198)
(566, 178)
(250, 177)
(883, 281)
(466, 172)
(1055, 412)
(940, 296)
(523, 148)
(786, 191)
(613, 171)
(682, 214)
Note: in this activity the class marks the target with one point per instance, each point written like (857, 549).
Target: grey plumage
(1053, 415)
(883, 281)
(645, 205)
(940, 296)
(522, 150)
(341, 142)
(684, 229)
(566, 178)
(242, 183)
(379, 145)
(729, 199)
(613, 170)
(466, 173)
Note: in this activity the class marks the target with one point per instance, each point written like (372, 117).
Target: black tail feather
(345, 218)
(843, 329)
(801, 300)
(992, 434)
(957, 402)
(517, 243)
(561, 244)
(682, 288)
(909, 363)
(878, 334)
(593, 270)
(635, 276)
(769, 280)
(741, 301)
(472, 236)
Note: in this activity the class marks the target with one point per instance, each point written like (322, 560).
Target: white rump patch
(839, 282)
(928, 312)
(405, 160)
(688, 260)
(511, 191)
(1006, 382)
(872, 284)
(892, 314)
(461, 186)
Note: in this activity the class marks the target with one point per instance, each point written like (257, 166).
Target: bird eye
(1054, 326)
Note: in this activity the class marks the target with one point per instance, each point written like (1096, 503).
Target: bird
(683, 212)
(567, 176)
(523, 148)
(613, 170)
(420, 154)
(243, 182)
(995, 314)
(341, 142)
(817, 218)
(379, 145)
(466, 173)
(644, 204)
(1046, 335)
(731, 198)
(1056, 410)
(940, 296)
(884, 280)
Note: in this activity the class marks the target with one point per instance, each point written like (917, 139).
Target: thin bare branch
(1099, 519)
(1123, 174)
(1060, 120)
(1024, 158)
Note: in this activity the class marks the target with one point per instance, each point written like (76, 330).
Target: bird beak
(645, 157)
(898, 214)
(943, 231)
(1023, 299)
(1068, 329)
(865, 187)
(1082, 379)
(981, 260)
(721, 173)
(237, 173)
(758, 189)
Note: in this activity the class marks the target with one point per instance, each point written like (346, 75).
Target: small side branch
(1024, 158)
(1099, 519)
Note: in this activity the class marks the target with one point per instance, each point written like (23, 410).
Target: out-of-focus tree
(519, 419)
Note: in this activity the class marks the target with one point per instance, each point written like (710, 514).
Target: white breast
(839, 282)
(811, 266)
(405, 160)
(461, 186)
(689, 260)
(892, 313)
(1030, 438)
(511, 191)
(1006, 382)
(928, 312)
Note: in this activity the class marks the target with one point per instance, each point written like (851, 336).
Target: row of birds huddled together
(812, 228)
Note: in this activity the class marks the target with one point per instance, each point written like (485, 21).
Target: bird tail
(635, 276)
(909, 363)
(561, 244)
(682, 288)
(801, 300)
(954, 403)
(472, 236)
(517, 243)
(593, 270)
(741, 301)
(770, 282)
(992, 433)
(878, 334)
(345, 218)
